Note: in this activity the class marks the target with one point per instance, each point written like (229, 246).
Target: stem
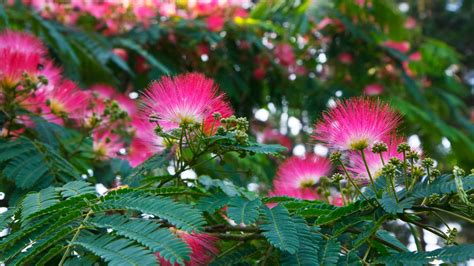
(76, 235)
(445, 211)
(416, 236)
(368, 171)
(405, 170)
(354, 184)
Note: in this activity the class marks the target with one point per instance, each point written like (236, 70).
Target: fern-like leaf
(149, 234)
(452, 254)
(179, 214)
(329, 252)
(243, 211)
(307, 253)
(116, 251)
(279, 229)
(38, 201)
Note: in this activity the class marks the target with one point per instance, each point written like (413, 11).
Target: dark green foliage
(243, 211)
(147, 233)
(454, 254)
(279, 229)
(179, 214)
(329, 252)
(31, 163)
(307, 252)
(391, 205)
(116, 251)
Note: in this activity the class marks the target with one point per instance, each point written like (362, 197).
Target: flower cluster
(362, 132)
(113, 17)
(31, 85)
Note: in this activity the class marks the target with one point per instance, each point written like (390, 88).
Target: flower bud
(403, 147)
(379, 147)
(335, 157)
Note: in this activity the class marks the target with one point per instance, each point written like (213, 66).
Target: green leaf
(262, 148)
(152, 163)
(329, 252)
(387, 236)
(390, 205)
(213, 202)
(179, 214)
(76, 188)
(441, 185)
(243, 211)
(33, 163)
(340, 212)
(234, 257)
(40, 246)
(35, 202)
(126, 43)
(149, 234)
(116, 251)
(279, 229)
(307, 252)
(453, 254)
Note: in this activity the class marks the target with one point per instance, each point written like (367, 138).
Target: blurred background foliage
(284, 62)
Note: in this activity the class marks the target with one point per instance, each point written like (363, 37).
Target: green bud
(413, 155)
(335, 157)
(395, 161)
(403, 147)
(427, 162)
(379, 147)
(337, 177)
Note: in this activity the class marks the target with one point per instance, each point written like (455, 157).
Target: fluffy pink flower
(297, 177)
(68, 99)
(215, 22)
(373, 89)
(346, 58)
(336, 200)
(187, 98)
(138, 152)
(374, 162)
(14, 64)
(203, 248)
(284, 53)
(22, 42)
(106, 144)
(145, 133)
(356, 123)
(402, 47)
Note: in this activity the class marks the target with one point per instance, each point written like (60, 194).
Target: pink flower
(186, 98)
(324, 22)
(215, 23)
(373, 89)
(374, 162)
(14, 64)
(336, 200)
(122, 53)
(416, 56)
(22, 42)
(203, 248)
(138, 152)
(402, 47)
(346, 58)
(356, 124)
(284, 53)
(410, 23)
(67, 99)
(145, 133)
(297, 177)
(106, 144)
